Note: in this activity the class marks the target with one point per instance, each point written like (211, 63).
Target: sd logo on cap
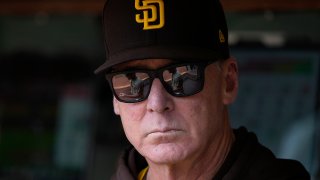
(153, 7)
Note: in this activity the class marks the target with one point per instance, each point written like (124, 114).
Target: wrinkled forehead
(143, 64)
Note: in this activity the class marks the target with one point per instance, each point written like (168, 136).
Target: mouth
(164, 131)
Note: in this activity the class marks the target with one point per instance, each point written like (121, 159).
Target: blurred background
(56, 117)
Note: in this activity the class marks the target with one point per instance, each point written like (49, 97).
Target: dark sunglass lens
(183, 80)
(131, 87)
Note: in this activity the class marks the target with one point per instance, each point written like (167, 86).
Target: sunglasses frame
(158, 73)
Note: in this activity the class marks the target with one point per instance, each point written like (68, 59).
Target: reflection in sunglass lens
(131, 86)
(179, 81)
(183, 80)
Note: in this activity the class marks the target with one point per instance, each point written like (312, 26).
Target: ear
(116, 106)
(230, 80)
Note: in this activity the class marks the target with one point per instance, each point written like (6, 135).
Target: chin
(167, 153)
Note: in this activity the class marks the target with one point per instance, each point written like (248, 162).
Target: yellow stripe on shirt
(143, 173)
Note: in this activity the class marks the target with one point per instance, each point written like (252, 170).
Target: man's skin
(182, 137)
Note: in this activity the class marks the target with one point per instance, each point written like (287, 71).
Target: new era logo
(221, 37)
(152, 13)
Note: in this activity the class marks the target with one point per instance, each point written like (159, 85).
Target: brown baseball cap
(163, 29)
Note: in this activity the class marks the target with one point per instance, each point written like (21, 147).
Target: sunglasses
(179, 80)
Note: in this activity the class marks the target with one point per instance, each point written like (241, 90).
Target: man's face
(168, 129)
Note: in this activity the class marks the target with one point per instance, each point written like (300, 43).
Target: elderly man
(178, 123)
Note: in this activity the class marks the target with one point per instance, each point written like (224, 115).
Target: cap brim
(156, 52)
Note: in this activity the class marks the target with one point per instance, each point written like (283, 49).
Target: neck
(204, 166)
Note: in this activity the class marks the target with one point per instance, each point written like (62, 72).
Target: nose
(159, 99)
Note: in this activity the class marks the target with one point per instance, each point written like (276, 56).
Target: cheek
(131, 112)
(194, 114)
(131, 118)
